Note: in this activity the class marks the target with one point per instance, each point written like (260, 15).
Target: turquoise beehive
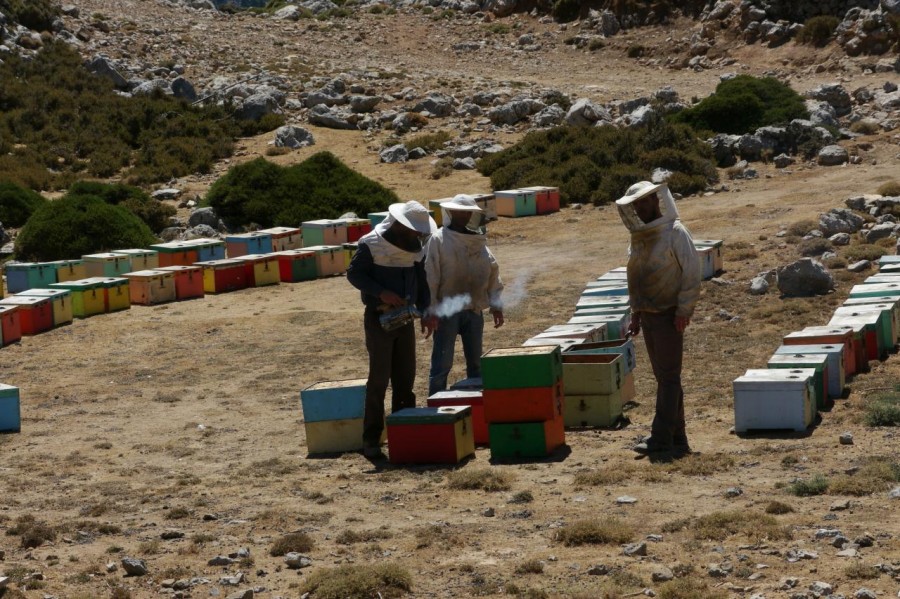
(334, 400)
(10, 416)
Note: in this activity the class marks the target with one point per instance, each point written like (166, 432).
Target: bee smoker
(398, 317)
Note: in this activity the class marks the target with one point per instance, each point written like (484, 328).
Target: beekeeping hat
(637, 191)
(462, 202)
(413, 215)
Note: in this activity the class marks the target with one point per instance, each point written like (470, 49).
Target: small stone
(859, 266)
(839, 506)
(247, 594)
(731, 492)
(788, 583)
(111, 567)
(865, 594)
(220, 560)
(716, 571)
(635, 549)
(134, 566)
(488, 512)
(232, 580)
(895, 494)
(827, 533)
(168, 583)
(598, 570)
(4, 580)
(839, 541)
(655, 538)
(864, 541)
(168, 535)
(821, 589)
(296, 561)
(662, 574)
(210, 517)
(625, 500)
(849, 552)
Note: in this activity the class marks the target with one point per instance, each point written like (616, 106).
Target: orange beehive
(35, 313)
(188, 281)
(855, 358)
(176, 253)
(528, 404)
(10, 325)
(285, 238)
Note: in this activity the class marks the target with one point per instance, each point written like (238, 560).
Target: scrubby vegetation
(17, 204)
(883, 409)
(642, 11)
(595, 532)
(34, 14)
(59, 122)
(154, 213)
(384, 580)
(77, 225)
(597, 164)
(269, 195)
(818, 30)
(744, 104)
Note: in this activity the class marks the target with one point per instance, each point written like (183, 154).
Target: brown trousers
(392, 359)
(665, 345)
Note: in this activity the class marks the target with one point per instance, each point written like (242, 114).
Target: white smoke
(451, 305)
(515, 288)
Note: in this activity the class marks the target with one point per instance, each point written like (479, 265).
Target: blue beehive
(29, 275)
(209, 249)
(334, 400)
(10, 419)
(248, 243)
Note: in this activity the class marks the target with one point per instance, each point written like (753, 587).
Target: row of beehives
(809, 370)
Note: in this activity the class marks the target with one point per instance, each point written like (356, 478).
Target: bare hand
(498, 318)
(391, 299)
(429, 325)
(634, 327)
(681, 323)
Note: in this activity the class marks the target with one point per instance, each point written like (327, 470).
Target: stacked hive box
(711, 259)
(10, 411)
(433, 435)
(149, 287)
(593, 387)
(10, 325)
(35, 313)
(188, 281)
(333, 416)
(623, 347)
(471, 397)
(284, 238)
(523, 400)
(60, 301)
(774, 399)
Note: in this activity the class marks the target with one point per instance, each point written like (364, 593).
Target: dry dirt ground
(149, 419)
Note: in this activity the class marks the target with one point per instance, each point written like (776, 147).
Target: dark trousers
(665, 345)
(392, 359)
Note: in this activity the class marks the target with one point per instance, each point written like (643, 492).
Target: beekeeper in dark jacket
(388, 269)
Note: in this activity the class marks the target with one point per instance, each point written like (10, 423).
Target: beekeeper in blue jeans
(464, 280)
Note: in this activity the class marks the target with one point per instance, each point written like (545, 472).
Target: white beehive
(774, 399)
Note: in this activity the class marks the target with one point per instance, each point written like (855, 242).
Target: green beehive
(521, 367)
(817, 361)
(592, 374)
(526, 439)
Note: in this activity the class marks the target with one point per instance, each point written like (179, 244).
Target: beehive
(616, 324)
(330, 259)
(430, 435)
(717, 256)
(88, 298)
(35, 313)
(176, 253)
(515, 203)
(892, 268)
(610, 346)
(149, 287)
(356, 228)
(889, 302)
(488, 203)
(60, 301)
(334, 400)
(334, 436)
(285, 238)
(881, 289)
(349, 251)
(435, 207)
(247, 243)
(886, 323)
(854, 354)
(875, 341)
(517, 367)
(589, 331)
(471, 398)
(223, 276)
(10, 325)
(612, 301)
(707, 262)
(604, 311)
(138, 259)
(546, 199)
(835, 358)
(600, 289)
(528, 404)
(207, 249)
(69, 270)
(296, 265)
(592, 374)
(511, 440)
(774, 399)
(261, 270)
(23, 276)
(817, 362)
(188, 281)
(601, 410)
(116, 293)
(10, 410)
(376, 217)
(562, 342)
(324, 232)
(614, 275)
(106, 265)
(882, 278)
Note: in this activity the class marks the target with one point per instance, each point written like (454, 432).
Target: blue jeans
(467, 324)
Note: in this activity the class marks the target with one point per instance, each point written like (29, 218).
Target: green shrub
(566, 10)
(864, 251)
(270, 195)
(154, 213)
(635, 51)
(883, 410)
(17, 204)
(34, 14)
(817, 31)
(430, 142)
(384, 580)
(814, 247)
(744, 104)
(597, 164)
(891, 188)
(78, 225)
(817, 485)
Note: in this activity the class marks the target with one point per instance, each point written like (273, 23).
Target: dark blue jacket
(371, 279)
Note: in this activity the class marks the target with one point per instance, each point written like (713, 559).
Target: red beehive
(546, 199)
(10, 325)
(222, 276)
(188, 281)
(528, 404)
(474, 400)
(855, 355)
(35, 313)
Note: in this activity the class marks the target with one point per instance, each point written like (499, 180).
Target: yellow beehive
(70, 270)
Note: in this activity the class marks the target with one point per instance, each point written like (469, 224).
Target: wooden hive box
(248, 243)
(357, 228)
(614, 275)
(588, 332)
(610, 346)
(518, 367)
(116, 293)
(430, 435)
(435, 207)
(175, 253)
(834, 353)
(23, 276)
(10, 410)
(330, 259)
(334, 400)
(223, 276)
(612, 301)
(515, 203)
(188, 281)
(10, 325)
(150, 287)
(855, 359)
(297, 265)
(893, 268)
(516, 440)
(285, 238)
(889, 259)
(616, 324)
(324, 232)
(35, 313)
(875, 290)
(376, 217)
(818, 362)
(546, 199)
(886, 323)
(562, 342)
(261, 270)
(528, 404)
(471, 398)
(334, 436)
(106, 264)
(873, 332)
(718, 258)
(889, 302)
(60, 301)
(592, 374)
(69, 270)
(349, 251)
(208, 249)
(774, 399)
(600, 410)
(139, 259)
(488, 203)
(88, 297)
(882, 279)
(707, 262)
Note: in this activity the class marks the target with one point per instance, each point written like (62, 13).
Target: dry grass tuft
(299, 542)
(689, 588)
(700, 464)
(595, 532)
(386, 580)
(859, 571)
(606, 476)
(817, 485)
(883, 409)
(485, 479)
(718, 526)
(33, 532)
(878, 474)
(270, 467)
(437, 535)
(532, 566)
(777, 507)
(349, 537)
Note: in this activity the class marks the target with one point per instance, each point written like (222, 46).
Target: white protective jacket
(458, 264)
(663, 266)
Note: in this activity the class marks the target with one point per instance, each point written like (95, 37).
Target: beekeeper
(663, 287)
(464, 280)
(388, 270)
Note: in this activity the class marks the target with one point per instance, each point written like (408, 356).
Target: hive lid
(475, 383)
(817, 359)
(24, 300)
(440, 415)
(343, 384)
(505, 352)
(140, 274)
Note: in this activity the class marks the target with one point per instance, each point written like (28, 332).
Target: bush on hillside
(744, 104)
(817, 31)
(597, 164)
(154, 213)
(17, 204)
(76, 225)
(270, 195)
(34, 14)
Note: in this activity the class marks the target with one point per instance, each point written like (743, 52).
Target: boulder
(840, 220)
(805, 277)
(835, 95)
(882, 231)
(292, 136)
(202, 232)
(464, 164)
(134, 566)
(641, 116)
(759, 286)
(363, 103)
(500, 8)
(257, 106)
(832, 155)
(290, 12)
(184, 89)
(783, 161)
(204, 216)
(549, 117)
(469, 109)
(145, 88)
(436, 104)
(323, 116)
(584, 112)
(394, 154)
(103, 67)
(723, 146)
(318, 7)
(840, 239)
(513, 112)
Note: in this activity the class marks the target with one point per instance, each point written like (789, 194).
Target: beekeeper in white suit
(464, 280)
(663, 287)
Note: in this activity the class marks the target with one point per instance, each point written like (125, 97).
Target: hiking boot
(652, 446)
(373, 452)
